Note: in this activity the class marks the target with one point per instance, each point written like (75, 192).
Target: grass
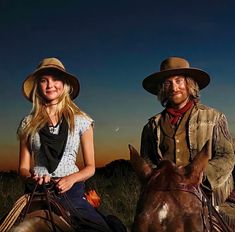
(119, 188)
(11, 188)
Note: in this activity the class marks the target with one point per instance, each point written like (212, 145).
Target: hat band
(52, 65)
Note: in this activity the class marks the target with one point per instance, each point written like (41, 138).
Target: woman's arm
(24, 165)
(87, 145)
(24, 160)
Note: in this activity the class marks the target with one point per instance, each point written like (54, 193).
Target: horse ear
(140, 166)
(198, 164)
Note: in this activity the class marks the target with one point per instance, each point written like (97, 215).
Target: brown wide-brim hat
(50, 66)
(174, 66)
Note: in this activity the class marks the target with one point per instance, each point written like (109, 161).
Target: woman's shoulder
(82, 117)
(25, 120)
(83, 122)
(23, 123)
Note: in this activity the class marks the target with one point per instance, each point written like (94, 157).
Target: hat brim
(152, 82)
(29, 82)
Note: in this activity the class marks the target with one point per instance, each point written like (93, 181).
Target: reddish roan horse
(171, 199)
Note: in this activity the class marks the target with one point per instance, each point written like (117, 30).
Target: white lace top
(67, 164)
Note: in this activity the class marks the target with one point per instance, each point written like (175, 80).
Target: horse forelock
(166, 175)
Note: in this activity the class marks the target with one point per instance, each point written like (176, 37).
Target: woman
(53, 132)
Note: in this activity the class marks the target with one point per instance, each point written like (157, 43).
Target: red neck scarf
(176, 114)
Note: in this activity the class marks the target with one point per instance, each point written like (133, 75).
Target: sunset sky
(111, 46)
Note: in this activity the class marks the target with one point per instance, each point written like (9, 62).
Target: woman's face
(51, 88)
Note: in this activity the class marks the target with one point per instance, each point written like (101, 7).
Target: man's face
(176, 89)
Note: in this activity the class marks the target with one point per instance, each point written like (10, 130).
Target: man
(180, 131)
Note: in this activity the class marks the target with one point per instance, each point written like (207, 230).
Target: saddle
(45, 197)
(42, 197)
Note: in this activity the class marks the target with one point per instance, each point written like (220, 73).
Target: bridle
(216, 222)
(196, 191)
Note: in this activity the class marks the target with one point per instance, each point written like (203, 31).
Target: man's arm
(220, 167)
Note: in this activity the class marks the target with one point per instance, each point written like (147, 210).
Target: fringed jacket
(204, 124)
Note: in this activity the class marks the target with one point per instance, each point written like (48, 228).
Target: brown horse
(171, 199)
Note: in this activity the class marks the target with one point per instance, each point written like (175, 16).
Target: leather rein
(47, 192)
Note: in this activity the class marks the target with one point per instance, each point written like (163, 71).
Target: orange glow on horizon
(103, 156)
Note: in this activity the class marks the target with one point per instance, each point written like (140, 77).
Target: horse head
(170, 199)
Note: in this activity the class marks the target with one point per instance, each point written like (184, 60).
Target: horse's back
(38, 221)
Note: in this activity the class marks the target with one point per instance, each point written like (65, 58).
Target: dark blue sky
(112, 46)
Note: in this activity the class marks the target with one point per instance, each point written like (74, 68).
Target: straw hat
(174, 66)
(50, 66)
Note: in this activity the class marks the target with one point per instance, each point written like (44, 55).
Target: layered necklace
(53, 118)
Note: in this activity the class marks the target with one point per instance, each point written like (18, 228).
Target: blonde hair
(193, 90)
(65, 108)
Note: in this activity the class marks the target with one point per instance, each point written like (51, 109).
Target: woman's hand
(41, 179)
(65, 183)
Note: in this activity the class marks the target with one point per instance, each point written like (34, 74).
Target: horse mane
(167, 175)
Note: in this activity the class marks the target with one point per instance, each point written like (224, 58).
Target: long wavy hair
(39, 117)
(193, 90)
